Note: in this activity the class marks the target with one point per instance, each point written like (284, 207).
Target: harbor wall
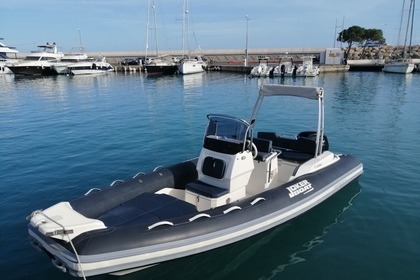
(233, 60)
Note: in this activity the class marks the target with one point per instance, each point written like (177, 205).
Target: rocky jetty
(383, 52)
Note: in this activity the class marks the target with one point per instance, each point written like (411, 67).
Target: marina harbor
(210, 140)
(235, 60)
(62, 136)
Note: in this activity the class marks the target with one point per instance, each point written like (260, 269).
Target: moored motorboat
(309, 69)
(39, 62)
(90, 66)
(62, 67)
(243, 182)
(263, 69)
(287, 68)
(5, 52)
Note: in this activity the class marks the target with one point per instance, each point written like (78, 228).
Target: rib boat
(242, 183)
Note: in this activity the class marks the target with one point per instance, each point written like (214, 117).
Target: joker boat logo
(300, 187)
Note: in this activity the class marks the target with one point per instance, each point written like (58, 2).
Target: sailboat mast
(401, 23)
(409, 24)
(407, 27)
(154, 19)
(188, 28)
(185, 27)
(147, 29)
(413, 4)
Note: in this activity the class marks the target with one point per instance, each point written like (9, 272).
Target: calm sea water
(60, 136)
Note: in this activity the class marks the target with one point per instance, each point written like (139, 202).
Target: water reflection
(331, 212)
(193, 80)
(6, 78)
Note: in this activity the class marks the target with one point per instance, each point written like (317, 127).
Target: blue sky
(120, 25)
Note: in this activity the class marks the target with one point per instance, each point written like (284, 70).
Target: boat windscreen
(227, 127)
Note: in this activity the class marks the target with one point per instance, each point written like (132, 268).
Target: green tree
(374, 35)
(360, 35)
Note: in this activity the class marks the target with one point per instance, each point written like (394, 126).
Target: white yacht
(90, 66)
(79, 55)
(39, 62)
(5, 52)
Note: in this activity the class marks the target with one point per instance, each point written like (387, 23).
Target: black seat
(304, 142)
(264, 147)
(206, 190)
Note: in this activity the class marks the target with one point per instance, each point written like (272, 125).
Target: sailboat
(189, 65)
(404, 65)
(159, 65)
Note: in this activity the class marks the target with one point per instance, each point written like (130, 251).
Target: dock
(233, 60)
(228, 60)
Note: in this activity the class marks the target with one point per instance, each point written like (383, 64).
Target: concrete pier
(228, 60)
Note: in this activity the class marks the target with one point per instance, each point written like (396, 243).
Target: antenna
(80, 37)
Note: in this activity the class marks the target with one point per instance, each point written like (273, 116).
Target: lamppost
(246, 44)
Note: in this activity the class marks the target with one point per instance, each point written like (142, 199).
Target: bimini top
(299, 91)
(313, 93)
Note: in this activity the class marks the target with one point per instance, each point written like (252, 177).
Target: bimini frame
(314, 93)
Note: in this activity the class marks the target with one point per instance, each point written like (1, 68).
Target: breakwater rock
(383, 52)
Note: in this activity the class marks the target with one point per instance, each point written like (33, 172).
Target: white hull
(4, 69)
(90, 68)
(61, 68)
(191, 67)
(5, 51)
(289, 69)
(67, 60)
(365, 62)
(261, 71)
(399, 67)
(77, 72)
(404, 65)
